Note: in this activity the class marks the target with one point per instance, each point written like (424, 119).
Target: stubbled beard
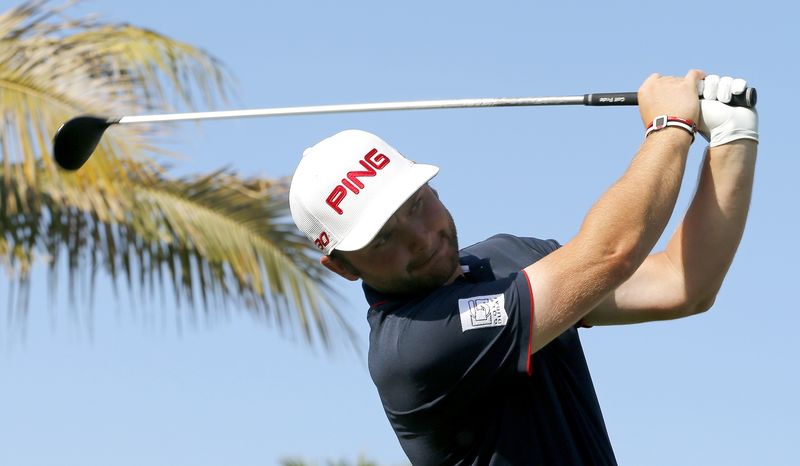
(441, 272)
(413, 284)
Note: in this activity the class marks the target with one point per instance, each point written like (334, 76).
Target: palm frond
(218, 241)
(220, 218)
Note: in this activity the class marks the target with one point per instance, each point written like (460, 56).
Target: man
(476, 354)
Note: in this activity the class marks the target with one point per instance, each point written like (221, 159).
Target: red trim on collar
(378, 304)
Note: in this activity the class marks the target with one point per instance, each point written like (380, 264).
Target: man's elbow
(621, 263)
(686, 304)
(695, 298)
(700, 305)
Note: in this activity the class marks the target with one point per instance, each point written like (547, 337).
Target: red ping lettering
(372, 162)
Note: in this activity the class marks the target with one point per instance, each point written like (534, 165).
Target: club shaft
(746, 99)
(369, 107)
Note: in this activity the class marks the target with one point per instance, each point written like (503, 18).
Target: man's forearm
(614, 239)
(624, 224)
(632, 214)
(704, 245)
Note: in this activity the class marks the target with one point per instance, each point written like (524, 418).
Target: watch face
(660, 122)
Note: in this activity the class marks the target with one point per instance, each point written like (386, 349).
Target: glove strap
(662, 121)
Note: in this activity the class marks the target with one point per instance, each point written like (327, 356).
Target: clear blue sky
(719, 388)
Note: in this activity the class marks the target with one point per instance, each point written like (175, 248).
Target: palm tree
(217, 240)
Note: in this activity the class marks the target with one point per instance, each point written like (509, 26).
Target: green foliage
(218, 241)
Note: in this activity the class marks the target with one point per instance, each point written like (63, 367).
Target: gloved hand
(720, 123)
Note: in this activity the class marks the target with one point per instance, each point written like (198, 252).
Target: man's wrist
(662, 122)
(672, 135)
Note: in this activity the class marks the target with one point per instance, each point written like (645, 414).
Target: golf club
(76, 139)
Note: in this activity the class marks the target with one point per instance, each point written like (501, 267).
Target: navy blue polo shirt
(455, 377)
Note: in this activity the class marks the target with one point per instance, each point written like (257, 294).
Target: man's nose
(418, 236)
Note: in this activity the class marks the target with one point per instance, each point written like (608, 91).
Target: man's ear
(338, 267)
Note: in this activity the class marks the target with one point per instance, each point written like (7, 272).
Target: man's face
(415, 251)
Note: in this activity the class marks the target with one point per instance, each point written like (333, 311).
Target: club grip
(748, 98)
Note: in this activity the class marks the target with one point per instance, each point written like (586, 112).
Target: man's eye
(381, 239)
(417, 204)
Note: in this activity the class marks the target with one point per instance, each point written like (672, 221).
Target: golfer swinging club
(475, 353)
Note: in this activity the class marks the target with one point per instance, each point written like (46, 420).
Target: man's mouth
(431, 256)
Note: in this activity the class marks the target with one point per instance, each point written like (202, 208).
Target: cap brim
(384, 206)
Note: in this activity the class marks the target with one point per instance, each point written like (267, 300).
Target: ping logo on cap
(372, 162)
(334, 199)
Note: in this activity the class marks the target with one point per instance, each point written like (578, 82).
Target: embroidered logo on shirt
(482, 311)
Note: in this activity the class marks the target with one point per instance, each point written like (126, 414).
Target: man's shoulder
(506, 253)
(507, 241)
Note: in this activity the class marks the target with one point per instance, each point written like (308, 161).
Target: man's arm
(685, 278)
(623, 226)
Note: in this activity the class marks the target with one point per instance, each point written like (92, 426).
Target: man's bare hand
(670, 95)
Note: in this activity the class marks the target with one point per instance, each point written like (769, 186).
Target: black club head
(76, 139)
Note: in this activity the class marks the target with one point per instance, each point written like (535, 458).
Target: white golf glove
(721, 123)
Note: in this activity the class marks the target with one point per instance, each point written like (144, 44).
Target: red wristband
(663, 121)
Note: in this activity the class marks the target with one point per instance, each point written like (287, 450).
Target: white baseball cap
(347, 186)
